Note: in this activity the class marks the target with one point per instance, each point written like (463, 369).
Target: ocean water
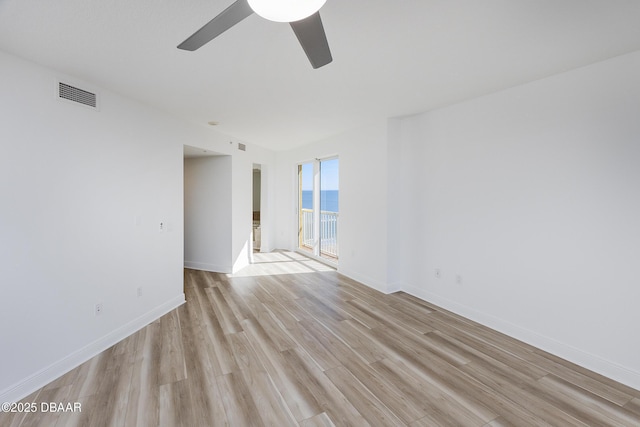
(328, 200)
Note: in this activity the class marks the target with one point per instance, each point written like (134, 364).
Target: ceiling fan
(302, 15)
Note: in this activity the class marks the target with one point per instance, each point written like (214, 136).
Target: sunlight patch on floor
(281, 262)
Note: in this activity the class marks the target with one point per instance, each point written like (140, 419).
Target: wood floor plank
(13, 417)
(406, 299)
(227, 318)
(82, 419)
(144, 393)
(389, 318)
(267, 399)
(320, 420)
(172, 367)
(281, 314)
(261, 291)
(593, 409)
(407, 320)
(332, 343)
(114, 386)
(588, 382)
(510, 386)
(441, 408)
(370, 407)
(292, 308)
(43, 418)
(518, 400)
(461, 386)
(472, 345)
(276, 330)
(320, 354)
(367, 295)
(572, 367)
(270, 404)
(633, 406)
(282, 287)
(234, 298)
(87, 382)
(222, 360)
(355, 335)
(295, 393)
(500, 422)
(414, 310)
(338, 408)
(321, 311)
(238, 403)
(497, 339)
(386, 392)
(201, 380)
(175, 408)
(207, 401)
(359, 315)
(288, 341)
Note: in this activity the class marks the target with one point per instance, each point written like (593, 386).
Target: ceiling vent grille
(242, 147)
(75, 94)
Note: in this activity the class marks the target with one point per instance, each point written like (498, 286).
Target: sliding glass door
(318, 208)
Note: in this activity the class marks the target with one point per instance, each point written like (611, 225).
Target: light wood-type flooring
(289, 342)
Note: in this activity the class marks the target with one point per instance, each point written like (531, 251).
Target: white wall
(363, 200)
(207, 213)
(532, 196)
(404, 243)
(82, 194)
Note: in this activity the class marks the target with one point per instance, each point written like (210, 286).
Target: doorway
(257, 195)
(208, 216)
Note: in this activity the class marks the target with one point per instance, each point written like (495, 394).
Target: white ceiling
(391, 57)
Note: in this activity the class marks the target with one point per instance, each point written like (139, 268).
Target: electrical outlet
(458, 279)
(162, 227)
(98, 309)
(438, 273)
(140, 291)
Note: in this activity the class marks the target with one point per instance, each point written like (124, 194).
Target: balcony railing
(328, 232)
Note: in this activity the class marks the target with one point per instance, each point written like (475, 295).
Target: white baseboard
(580, 357)
(215, 268)
(43, 377)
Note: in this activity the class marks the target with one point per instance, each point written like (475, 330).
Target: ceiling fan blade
(218, 25)
(310, 34)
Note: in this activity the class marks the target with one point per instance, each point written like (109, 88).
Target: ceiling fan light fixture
(285, 10)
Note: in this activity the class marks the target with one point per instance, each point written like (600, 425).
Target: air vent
(74, 94)
(242, 147)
